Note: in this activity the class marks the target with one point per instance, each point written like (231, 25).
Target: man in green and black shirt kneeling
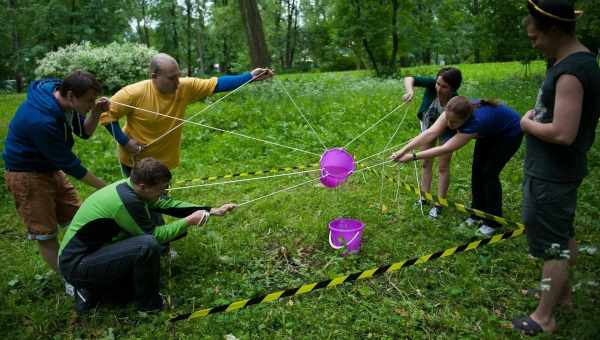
(112, 244)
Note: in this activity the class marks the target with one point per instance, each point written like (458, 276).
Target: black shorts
(548, 214)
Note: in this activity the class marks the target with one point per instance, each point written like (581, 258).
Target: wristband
(414, 156)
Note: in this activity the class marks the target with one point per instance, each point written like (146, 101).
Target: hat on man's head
(561, 10)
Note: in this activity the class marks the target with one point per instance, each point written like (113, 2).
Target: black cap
(561, 10)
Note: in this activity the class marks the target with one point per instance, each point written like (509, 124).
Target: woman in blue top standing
(498, 132)
(438, 91)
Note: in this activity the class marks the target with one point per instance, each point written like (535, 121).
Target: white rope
(205, 109)
(388, 149)
(301, 113)
(372, 166)
(419, 188)
(241, 180)
(278, 191)
(376, 123)
(386, 145)
(215, 128)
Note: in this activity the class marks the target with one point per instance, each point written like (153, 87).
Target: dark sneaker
(420, 202)
(84, 301)
(153, 304)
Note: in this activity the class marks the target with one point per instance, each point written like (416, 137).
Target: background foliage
(115, 64)
(207, 36)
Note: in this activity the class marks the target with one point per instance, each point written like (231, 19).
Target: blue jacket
(40, 138)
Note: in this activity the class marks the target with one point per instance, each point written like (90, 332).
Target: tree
(373, 25)
(16, 45)
(259, 54)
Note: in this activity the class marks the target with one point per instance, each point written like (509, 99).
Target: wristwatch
(414, 154)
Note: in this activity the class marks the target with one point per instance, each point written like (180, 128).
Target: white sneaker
(470, 221)
(435, 211)
(69, 289)
(486, 230)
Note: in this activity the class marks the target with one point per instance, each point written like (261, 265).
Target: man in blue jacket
(37, 154)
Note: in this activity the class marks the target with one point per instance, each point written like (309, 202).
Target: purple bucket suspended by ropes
(336, 166)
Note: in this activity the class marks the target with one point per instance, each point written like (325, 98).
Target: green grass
(281, 241)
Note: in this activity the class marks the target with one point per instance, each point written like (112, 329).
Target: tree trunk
(225, 66)
(364, 41)
(290, 39)
(392, 63)
(371, 56)
(476, 49)
(277, 17)
(145, 27)
(174, 26)
(188, 7)
(257, 45)
(16, 42)
(201, 7)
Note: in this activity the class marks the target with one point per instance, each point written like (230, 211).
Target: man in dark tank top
(559, 132)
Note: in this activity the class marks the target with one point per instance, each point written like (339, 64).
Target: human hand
(261, 74)
(530, 114)
(526, 118)
(404, 158)
(397, 155)
(225, 208)
(198, 217)
(408, 96)
(101, 105)
(133, 147)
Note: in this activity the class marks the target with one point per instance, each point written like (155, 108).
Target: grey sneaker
(435, 211)
(486, 230)
(69, 289)
(471, 221)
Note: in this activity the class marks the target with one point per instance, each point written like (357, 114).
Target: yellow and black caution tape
(426, 195)
(350, 278)
(248, 174)
(458, 206)
(366, 274)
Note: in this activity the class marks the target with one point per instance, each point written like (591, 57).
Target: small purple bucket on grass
(346, 232)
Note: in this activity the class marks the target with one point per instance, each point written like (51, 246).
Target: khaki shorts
(43, 200)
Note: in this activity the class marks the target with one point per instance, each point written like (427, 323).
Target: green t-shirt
(116, 212)
(565, 163)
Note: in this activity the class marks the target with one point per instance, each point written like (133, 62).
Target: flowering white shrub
(115, 65)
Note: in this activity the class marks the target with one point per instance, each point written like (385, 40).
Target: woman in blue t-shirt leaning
(498, 132)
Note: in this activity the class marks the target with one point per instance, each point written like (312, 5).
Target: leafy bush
(115, 65)
(340, 63)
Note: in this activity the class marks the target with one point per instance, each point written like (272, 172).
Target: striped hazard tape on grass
(350, 278)
(410, 188)
(457, 206)
(366, 274)
(247, 174)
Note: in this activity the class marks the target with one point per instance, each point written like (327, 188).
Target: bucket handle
(347, 243)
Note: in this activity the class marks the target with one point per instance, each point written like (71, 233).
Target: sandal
(527, 326)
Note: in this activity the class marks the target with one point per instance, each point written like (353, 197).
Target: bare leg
(49, 252)
(427, 176)
(444, 171)
(566, 298)
(555, 276)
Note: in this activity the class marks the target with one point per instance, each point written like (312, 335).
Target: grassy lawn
(281, 241)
